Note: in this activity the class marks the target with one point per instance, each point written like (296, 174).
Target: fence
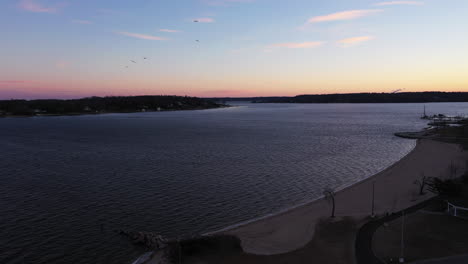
(456, 209)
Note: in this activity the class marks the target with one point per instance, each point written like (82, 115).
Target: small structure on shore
(442, 120)
(39, 111)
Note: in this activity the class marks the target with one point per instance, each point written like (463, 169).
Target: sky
(80, 48)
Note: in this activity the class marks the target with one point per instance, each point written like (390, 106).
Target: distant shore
(103, 105)
(371, 98)
(358, 98)
(104, 113)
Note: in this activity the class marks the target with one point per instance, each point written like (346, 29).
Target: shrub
(445, 187)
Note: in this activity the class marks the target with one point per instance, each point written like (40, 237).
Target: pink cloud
(389, 3)
(354, 41)
(204, 20)
(140, 36)
(345, 15)
(33, 6)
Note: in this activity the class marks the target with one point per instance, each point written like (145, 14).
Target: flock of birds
(145, 58)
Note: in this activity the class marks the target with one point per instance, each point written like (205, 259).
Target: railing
(455, 208)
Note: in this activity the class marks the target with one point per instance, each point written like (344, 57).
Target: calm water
(180, 173)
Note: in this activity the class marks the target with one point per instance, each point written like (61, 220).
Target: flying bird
(197, 40)
(196, 21)
(133, 61)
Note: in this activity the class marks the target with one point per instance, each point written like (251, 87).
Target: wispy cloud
(344, 15)
(140, 36)
(389, 3)
(347, 42)
(169, 30)
(36, 7)
(204, 20)
(295, 45)
(84, 22)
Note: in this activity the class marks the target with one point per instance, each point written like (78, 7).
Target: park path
(449, 260)
(363, 244)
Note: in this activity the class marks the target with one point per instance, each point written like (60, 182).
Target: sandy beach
(394, 190)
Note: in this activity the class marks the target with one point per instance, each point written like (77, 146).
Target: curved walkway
(363, 245)
(449, 260)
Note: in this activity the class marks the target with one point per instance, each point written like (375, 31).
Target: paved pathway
(363, 244)
(449, 260)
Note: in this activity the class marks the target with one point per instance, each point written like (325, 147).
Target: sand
(394, 190)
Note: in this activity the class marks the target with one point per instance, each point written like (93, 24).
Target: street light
(373, 199)
(402, 258)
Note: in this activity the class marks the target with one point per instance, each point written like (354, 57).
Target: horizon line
(233, 97)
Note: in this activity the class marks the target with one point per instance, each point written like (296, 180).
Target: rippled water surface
(68, 182)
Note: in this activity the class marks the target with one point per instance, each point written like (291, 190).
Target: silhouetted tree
(104, 104)
(422, 182)
(418, 97)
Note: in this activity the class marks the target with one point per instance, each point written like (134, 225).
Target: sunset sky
(78, 48)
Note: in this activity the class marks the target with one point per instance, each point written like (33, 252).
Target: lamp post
(373, 199)
(402, 258)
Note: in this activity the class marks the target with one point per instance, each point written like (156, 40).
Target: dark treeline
(246, 99)
(103, 105)
(421, 97)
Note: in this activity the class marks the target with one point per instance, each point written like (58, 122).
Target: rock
(147, 239)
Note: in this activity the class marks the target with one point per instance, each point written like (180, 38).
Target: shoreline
(342, 188)
(106, 113)
(155, 256)
(294, 227)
